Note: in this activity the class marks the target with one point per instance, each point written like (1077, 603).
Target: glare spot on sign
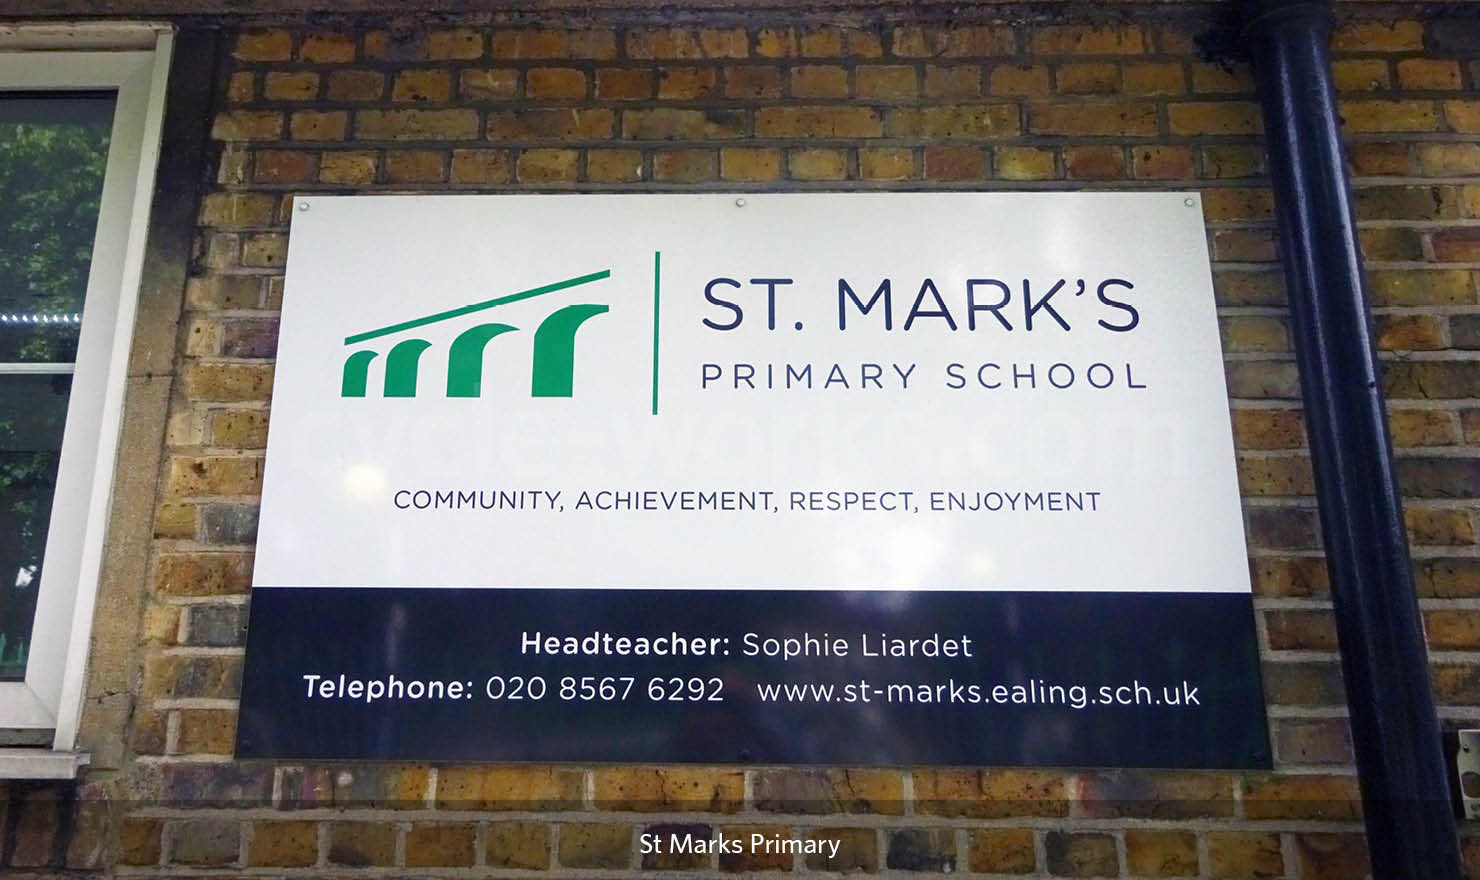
(982, 565)
(364, 481)
(907, 556)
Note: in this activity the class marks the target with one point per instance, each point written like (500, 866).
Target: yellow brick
(555, 82)
(613, 166)
(1389, 116)
(668, 123)
(548, 166)
(356, 86)
(1163, 163)
(241, 88)
(284, 844)
(1254, 333)
(480, 166)
(686, 166)
(1440, 528)
(775, 43)
(955, 163)
(362, 843)
(886, 163)
(597, 44)
(239, 429)
(327, 48)
(1234, 203)
(624, 84)
(1085, 40)
(818, 122)
(1378, 36)
(689, 83)
(175, 521)
(403, 45)
(1463, 116)
(1030, 80)
(1453, 629)
(227, 382)
(820, 42)
(819, 164)
(1302, 797)
(687, 43)
(1422, 427)
(415, 166)
(264, 250)
(248, 125)
(299, 86)
(1002, 851)
(203, 574)
(1214, 117)
(422, 87)
(1409, 333)
(441, 844)
(1025, 163)
(750, 164)
(954, 121)
(456, 44)
(354, 167)
(1360, 74)
(891, 83)
(1161, 853)
(207, 732)
(753, 82)
(956, 81)
(318, 125)
(190, 476)
(1232, 161)
(1154, 79)
(1240, 854)
(668, 789)
(1217, 79)
(268, 45)
(1429, 73)
(517, 845)
(1094, 163)
(930, 41)
(990, 794)
(1444, 160)
(1088, 79)
(485, 84)
(416, 124)
(1092, 119)
(508, 788)
(235, 210)
(811, 81)
(860, 43)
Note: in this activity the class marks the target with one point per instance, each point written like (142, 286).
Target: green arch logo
(553, 357)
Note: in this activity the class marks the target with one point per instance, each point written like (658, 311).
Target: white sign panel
(871, 478)
(963, 391)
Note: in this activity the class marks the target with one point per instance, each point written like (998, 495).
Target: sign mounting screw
(739, 203)
(1189, 202)
(303, 206)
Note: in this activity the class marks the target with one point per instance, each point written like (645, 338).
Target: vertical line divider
(657, 272)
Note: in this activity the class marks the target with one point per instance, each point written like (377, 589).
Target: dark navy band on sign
(764, 676)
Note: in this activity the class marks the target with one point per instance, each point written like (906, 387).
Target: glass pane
(33, 409)
(53, 151)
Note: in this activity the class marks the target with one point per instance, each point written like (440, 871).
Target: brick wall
(767, 104)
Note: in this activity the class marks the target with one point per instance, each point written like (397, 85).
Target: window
(79, 139)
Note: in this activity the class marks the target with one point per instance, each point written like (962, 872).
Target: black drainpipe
(1411, 830)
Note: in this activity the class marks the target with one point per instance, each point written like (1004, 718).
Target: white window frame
(136, 65)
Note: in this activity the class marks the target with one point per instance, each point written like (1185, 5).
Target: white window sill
(41, 764)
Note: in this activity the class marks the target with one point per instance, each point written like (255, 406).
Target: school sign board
(935, 478)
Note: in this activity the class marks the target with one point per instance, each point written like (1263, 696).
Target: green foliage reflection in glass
(53, 152)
